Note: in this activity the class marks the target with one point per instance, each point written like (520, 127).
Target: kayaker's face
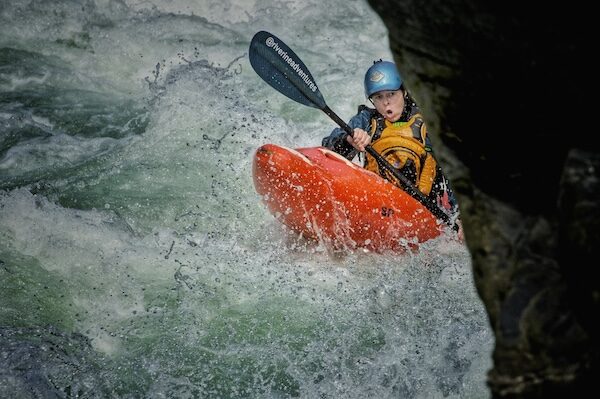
(389, 103)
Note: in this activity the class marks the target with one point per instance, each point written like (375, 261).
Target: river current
(137, 260)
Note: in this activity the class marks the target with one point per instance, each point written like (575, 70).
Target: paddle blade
(281, 68)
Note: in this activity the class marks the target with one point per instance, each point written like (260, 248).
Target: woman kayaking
(397, 131)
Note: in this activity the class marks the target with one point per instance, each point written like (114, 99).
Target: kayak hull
(322, 196)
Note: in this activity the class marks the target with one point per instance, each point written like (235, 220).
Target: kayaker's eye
(382, 97)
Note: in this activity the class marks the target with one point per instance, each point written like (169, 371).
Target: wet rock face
(506, 91)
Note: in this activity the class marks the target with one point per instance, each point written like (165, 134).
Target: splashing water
(136, 259)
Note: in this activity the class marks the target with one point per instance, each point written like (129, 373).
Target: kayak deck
(322, 196)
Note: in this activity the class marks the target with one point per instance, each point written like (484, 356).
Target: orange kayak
(322, 196)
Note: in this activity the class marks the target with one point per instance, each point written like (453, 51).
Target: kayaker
(397, 131)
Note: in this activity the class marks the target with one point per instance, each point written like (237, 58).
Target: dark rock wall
(509, 91)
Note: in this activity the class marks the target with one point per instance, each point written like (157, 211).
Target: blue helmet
(383, 75)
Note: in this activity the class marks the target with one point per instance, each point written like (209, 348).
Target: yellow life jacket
(402, 143)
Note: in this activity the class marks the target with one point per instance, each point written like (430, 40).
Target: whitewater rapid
(136, 259)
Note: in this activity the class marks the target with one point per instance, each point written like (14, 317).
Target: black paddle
(281, 68)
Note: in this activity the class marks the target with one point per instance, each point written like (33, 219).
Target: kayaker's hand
(360, 140)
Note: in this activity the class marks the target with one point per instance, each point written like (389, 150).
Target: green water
(136, 259)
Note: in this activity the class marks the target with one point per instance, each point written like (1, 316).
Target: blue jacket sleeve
(336, 141)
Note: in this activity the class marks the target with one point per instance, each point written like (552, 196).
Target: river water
(136, 259)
